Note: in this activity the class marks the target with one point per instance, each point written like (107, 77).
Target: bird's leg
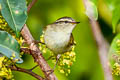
(57, 59)
(51, 71)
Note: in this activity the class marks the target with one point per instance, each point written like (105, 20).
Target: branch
(37, 55)
(102, 47)
(30, 5)
(15, 68)
(27, 50)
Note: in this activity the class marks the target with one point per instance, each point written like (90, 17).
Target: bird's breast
(56, 41)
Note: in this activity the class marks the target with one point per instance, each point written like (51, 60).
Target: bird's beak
(75, 22)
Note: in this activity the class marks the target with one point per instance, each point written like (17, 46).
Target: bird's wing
(44, 28)
(71, 42)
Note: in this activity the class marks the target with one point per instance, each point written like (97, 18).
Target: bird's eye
(66, 21)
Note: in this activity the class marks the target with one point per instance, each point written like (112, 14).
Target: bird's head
(67, 24)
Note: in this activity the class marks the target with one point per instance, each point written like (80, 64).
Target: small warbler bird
(58, 35)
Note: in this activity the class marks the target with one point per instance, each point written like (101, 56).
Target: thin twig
(102, 46)
(33, 67)
(30, 5)
(15, 68)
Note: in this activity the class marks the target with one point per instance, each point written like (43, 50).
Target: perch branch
(15, 68)
(37, 55)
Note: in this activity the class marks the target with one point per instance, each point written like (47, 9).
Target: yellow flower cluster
(4, 71)
(4, 25)
(42, 47)
(116, 66)
(20, 40)
(66, 60)
(118, 46)
(116, 69)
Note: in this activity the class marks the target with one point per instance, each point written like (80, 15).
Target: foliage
(115, 8)
(77, 64)
(4, 26)
(114, 55)
(15, 13)
(115, 48)
(9, 47)
(115, 18)
(91, 9)
(5, 73)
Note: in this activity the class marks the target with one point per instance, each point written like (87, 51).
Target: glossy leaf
(9, 46)
(112, 4)
(0, 5)
(91, 10)
(94, 1)
(114, 52)
(15, 13)
(115, 18)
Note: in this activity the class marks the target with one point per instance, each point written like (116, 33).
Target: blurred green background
(87, 65)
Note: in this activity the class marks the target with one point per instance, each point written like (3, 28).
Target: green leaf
(91, 10)
(94, 1)
(9, 46)
(114, 51)
(115, 18)
(0, 5)
(15, 13)
(112, 4)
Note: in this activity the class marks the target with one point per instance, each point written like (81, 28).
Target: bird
(58, 35)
